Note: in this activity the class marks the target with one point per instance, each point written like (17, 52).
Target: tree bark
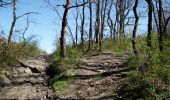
(63, 30)
(160, 13)
(103, 24)
(149, 42)
(82, 26)
(13, 22)
(135, 28)
(90, 27)
(76, 32)
(98, 21)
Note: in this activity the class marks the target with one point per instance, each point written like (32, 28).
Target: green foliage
(119, 45)
(60, 85)
(62, 81)
(150, 75)
(9, 54)
(63, 70)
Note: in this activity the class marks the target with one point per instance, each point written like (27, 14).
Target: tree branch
(26, 14)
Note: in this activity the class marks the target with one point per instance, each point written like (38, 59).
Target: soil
(98, 77)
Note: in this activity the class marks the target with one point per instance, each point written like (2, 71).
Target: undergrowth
(63, 70)
(150, 74)
(9, 54)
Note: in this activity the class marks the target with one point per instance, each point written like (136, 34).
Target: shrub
(150, 75)
(9, 54)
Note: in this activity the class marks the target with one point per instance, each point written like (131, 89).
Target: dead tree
(135, 27)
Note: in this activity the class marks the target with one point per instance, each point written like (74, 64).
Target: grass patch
(61, 82)
(64, 70)
(9, 54)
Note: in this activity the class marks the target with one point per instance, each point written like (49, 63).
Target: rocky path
(28, 80)
(98, 77)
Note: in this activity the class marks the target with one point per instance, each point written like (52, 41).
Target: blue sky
(46, 24)
(43, 25)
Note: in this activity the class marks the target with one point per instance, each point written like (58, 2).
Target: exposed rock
(27, 81)
(26, 91)
(98, 77)
(4, 80)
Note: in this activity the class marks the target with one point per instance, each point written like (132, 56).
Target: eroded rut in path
(28, 80)
(98, 77)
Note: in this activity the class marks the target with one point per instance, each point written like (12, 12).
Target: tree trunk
(160, 25)
(90, 28)
(82, 27)
(103, 24)
(13, 23)
(76, 32)
(98, 21)
(149, 42)
(63, 30)
(135, 28)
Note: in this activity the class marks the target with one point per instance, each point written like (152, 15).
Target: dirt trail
(27, 80)
(97, 77)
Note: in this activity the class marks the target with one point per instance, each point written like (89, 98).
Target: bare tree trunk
(13, 22)
(63, 30)
(103, 24)
(135, 28)
(98, 21)
(165, 28)
(149, 43)
(160, 25)
(121, 16)
(76, 32)
(110, 21)
(90, 28)
(82, 26)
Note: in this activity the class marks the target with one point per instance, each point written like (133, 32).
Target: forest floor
(97, 77)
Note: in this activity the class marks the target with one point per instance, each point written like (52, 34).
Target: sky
(46, 25)
(42, 25)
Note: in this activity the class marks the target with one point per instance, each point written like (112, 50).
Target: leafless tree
(90, 27)
(150, 9)
(161, 21)
(76, 32)
(110, 21)
(15, 18)
(123, 8)
(82, 25)
(97, 33)
(103, 16)
(135, 27)
(67, 6)
(4, 3)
